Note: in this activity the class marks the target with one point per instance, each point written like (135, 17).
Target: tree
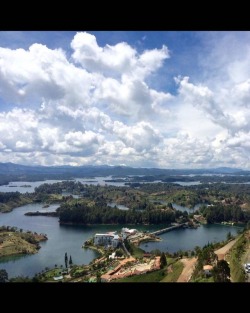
(221, 272)
(229, 235)
(35, 279)
(163, 260)
(3, 276)
(119, 253)
(156, 252)
(21, 279)
(197, 250)
(98, 277)
(170, 205)
(66, 260)
(70, 261)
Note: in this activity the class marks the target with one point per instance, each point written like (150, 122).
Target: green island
(15, 242)
(12, 200)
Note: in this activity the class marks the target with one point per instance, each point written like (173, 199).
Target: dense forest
(7, 196)
(78, 213)
(11, 200)
(220, 213)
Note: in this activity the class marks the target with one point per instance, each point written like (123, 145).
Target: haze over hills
(105, 170)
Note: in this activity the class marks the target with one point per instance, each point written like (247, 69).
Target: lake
(187, 239)
(24, 187)
(68, 238)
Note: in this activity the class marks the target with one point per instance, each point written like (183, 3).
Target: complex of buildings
(112, 239)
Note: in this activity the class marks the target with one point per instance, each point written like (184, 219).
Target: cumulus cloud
(96, 105)
(141, 137)
(120, 59)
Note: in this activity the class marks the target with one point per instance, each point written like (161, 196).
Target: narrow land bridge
(164, 230)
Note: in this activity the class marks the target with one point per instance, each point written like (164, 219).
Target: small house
(207, 270)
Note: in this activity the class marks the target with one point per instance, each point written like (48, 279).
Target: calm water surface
(67, 238)
(187, 239)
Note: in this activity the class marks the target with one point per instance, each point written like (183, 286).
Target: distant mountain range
(11, 169)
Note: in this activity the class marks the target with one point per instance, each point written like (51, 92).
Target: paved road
(125, 249)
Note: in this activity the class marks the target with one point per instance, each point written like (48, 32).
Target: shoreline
(98, 249)
(20, 243)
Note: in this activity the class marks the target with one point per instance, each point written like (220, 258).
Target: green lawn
(174, 275)
(136, 251)
(50, 274)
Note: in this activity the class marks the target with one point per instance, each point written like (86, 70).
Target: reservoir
(186, 239)
(68, 238)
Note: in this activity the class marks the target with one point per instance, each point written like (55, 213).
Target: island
(38, 213)
(12, 200)
(18, 242)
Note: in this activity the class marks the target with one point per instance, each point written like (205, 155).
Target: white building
(127, 232)
(112, 256)
(108, 239)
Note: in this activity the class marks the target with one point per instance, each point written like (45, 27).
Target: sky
(166, 99)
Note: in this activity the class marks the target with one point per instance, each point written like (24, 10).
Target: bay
(186, 239)
(70, 238)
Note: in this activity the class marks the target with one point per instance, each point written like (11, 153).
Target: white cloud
(120, 59)
(141, 137)
(98, 105)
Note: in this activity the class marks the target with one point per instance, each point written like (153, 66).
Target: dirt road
(224, 250)
(189, 265)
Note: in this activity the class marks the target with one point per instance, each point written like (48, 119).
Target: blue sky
(167, 99)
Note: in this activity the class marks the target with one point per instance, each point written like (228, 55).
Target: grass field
(12, 243)
(172, 276)
(155, 276)
(136, 251)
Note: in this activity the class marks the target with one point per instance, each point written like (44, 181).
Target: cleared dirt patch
(186, 274)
